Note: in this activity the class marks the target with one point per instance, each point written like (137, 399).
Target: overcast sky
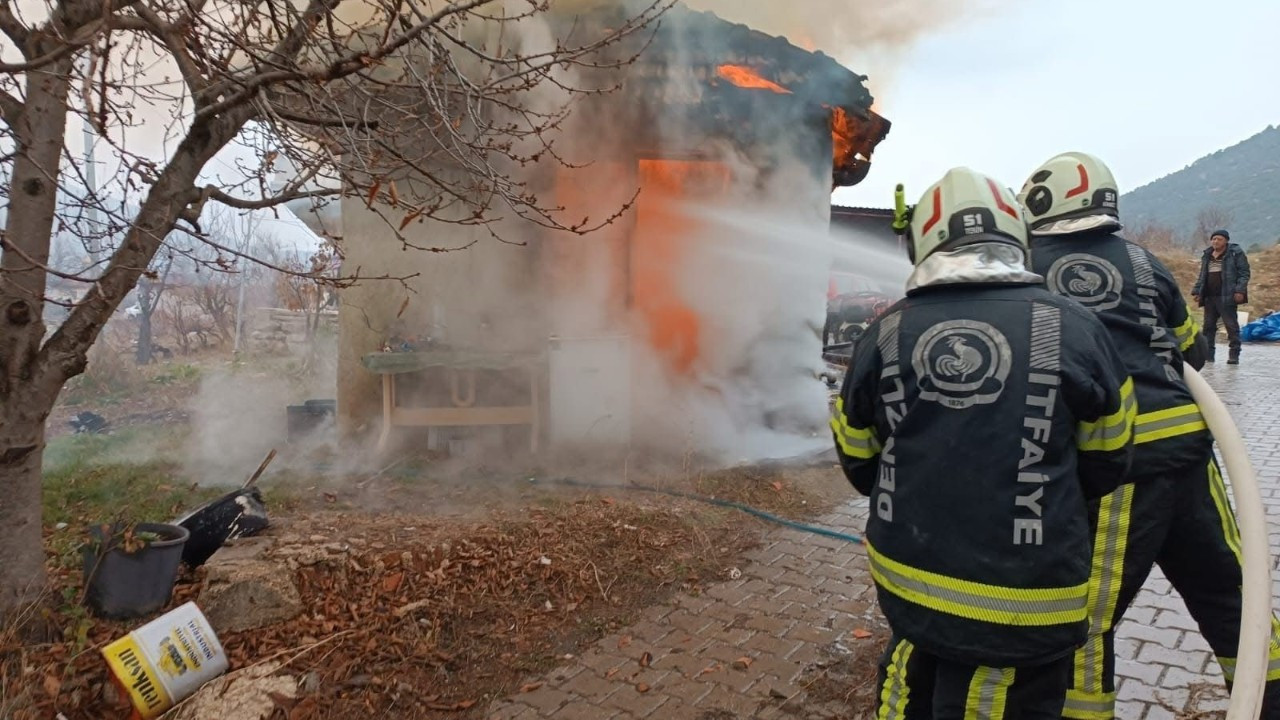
(1148, 86)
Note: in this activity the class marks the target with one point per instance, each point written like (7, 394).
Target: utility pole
(91, 179)
(96, 230)
(243, 262)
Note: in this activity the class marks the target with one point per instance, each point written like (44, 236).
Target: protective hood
(1071, 226)
(993, 262)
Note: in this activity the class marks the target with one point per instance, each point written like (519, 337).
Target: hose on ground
(719, 502)
(1255, 615)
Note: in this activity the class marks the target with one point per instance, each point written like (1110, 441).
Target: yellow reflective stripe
(1167, 423)
(1228, 664)
(1024, 607)
(988, 693)
(1114, 431)
(1273, 666)
(1187, 331)
(1110, 544)
(1089, 706)
(895, 693)
(1230, 531)
(856, 442)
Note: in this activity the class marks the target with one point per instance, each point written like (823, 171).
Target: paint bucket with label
(163, 662)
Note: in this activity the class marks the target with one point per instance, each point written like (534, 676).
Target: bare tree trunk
(24, 401)
(22, 572)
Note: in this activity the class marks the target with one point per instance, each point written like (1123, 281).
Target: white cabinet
(590, 392)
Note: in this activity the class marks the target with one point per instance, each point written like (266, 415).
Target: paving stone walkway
(739, 650)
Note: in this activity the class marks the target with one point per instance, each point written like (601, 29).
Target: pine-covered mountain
(1242, 181)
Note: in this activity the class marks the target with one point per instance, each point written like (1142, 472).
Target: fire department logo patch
(1088, 279)
(962, 363)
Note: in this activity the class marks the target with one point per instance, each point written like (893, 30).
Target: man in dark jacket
(1176, 513)
(980, 414)
(1222, 286)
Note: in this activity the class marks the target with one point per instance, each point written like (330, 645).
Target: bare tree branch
(269, 202)
(171, 35)
(13, 28)
(341, 67)
(10, 109)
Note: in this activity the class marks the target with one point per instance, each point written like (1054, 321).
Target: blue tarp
(1266, 329)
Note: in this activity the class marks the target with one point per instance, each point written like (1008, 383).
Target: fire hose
(1255, 614)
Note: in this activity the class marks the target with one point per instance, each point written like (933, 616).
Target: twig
(603, 593)
(388, 468)
(261, 469)
(300, 652)
(406, 609)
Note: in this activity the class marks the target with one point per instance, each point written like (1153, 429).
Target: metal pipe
(1255, 615)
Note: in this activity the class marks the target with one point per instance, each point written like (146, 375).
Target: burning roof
(727, 78)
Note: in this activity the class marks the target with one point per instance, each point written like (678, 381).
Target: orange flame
(664, 235)
(842, 135)
(745, 77)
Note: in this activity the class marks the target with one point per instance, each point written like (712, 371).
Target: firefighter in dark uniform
(1176, 513)
(980, 413)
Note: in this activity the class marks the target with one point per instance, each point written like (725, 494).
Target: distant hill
(1243, 180)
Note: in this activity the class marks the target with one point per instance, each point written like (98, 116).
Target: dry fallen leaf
(776, 486)
(646, 659)
(624, 641)
(861, 634)
(642, 687)
(743, 662)
(610, 673)
(530, 687)
(52, 685)
(708, 670)
(391, 583)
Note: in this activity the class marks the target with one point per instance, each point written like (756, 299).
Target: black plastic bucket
(304, 419)
(121, 585)
(236, 514)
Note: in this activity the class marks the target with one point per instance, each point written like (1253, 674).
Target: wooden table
(461, 367)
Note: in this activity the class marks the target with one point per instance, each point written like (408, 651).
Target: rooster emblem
(963, 363)
(1086, 282)
(1088, 279)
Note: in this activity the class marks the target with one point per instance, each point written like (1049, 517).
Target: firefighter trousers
(1186, 526)
(915, 685)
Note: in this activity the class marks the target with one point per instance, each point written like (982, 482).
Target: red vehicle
(853, 302)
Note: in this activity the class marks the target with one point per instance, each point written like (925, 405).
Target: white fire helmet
(1070, 186)
(962, 208)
